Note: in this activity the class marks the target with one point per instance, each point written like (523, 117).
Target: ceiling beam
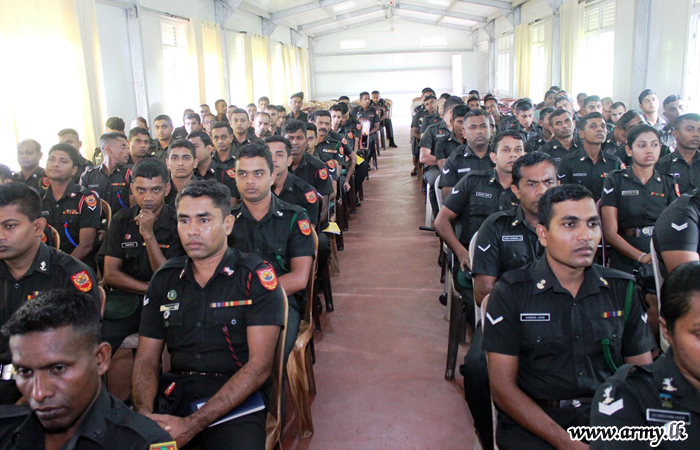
(504, 6)
(303, 8)
(440, 12)
(434, 23)
(254, 9)
(354, 25)
(350, 15)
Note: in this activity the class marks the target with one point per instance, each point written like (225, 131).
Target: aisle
(381, 357)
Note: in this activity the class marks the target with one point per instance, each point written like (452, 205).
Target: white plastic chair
(659, 281)
(477, 310)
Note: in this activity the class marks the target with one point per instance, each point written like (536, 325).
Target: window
(598, 48)
(177, 73)
(352, 44)
(538, 62)
(432, 42)
(692, 74)
(504, 46)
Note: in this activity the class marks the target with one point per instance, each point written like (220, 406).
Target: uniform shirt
(535, 144)
(474, 198)
(369, 114)
(557, 151)
(124, 241)
(427, 120)
(37, 180)
(51, 269)
(505, 242)
(78, 208)
(507, 122)
(179, 133)
(643, 396)
(379, 105)
(556, 337)
(222, 174)
(446, 147)
(677, 227)
(107, 424)
(417, 119)
(302, 116)
(298, 192)
(578, 168)
(161, 153)
(83, 165)
(433, 135)
(315, 172)
(661, 122)
(535, 130)
(687, 176)
(230, 162)
(113, 188)
(347, 144)
(332, 153)
(462, 161)
(191, 319)
(172, 195)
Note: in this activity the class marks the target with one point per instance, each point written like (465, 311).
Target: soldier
(384, 106)
(29, 155)
(163, 126)
(296, 101)
(684, 162)
(112, 178)
(564, 141)
(70, 136)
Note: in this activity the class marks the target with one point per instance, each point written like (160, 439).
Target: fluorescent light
(343, 6)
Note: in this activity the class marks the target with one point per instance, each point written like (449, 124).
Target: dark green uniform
(302, 116)
(222, 174)
(462, 161)
(315, 172)
(446, 147)
(648, 396)
(108, 425)
(578, 168)
(113, 188)
(687, 176)
(161, 153)
(331, 152)
(677, 228)
(535, 144)
(37, 180)
(298, 192)
(428, 120)
(78, 208)
(558, 340)
(557, 151)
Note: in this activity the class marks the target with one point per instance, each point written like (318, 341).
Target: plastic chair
(300, 372)
(273, 427)
(659, 281)
(428, 207)
(55, 237)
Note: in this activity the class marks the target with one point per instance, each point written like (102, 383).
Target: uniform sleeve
(228, 178)
(90, 212)
(312, 206)
(501, 327)
(610, 193)
(301, 243)
(677, 229)
(84, 279)
(112, 244)
(323, 181)
(487, 253)
(449, 176)
(267, 296)
(151, 318)
(458, 200)
(637, 338)
(427, 139)
(84, 180)
(440, 149)
(564, 173)
(628, 412)
(415, 121)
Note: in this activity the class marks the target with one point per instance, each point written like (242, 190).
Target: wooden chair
(106, 212)
(55, 237)
(274, 423)
(300, 371)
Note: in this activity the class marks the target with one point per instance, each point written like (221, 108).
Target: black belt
(187, 373)
(555, 404)
(636, 232)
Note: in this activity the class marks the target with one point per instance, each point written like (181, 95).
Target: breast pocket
(225, 323)
(172, 322)
(482, 204)
(543, 340)
(609, 330)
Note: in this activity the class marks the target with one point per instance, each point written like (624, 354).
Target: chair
(659, 281)
(273, 427)
(299, 367)
(106, 212)
(428, 207)
(602, 244)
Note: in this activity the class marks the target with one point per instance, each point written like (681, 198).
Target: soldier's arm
(610, 229)
(426, 157)
(298, 277)
(144, 379)
(483, 285)
(114, 277)
(443, 225)
(415, 132)
(86, 242)
(351, 169)
(675, 258)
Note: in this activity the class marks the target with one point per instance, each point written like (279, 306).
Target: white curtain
(522, 60)
(571, 38)
(207, 55)
(260, 66)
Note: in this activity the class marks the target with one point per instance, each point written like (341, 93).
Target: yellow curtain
(207, 55)
(571, 38)
(548, 50)
(261, 65)
(303, 58)
(522, 60)
(52, 68)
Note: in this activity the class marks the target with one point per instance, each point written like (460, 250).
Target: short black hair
(638, 130)
(222, 124)
(524, 104)
(184, 143)
(627, 118)
(559, 194)
(194, 116)
(293, 125)
(311, 127)
(150, 168)
(69, 150)
(269, 106)
(27, 200)
(278, 138)
(529, 160)
(115, 123)
(219, 101)
(281, 109)
(65, 131)
(343, 97)
(460, 111)
(558, 112)
(321, 113)
(584, 120)
(252, 104)
(645, 93)
(239, 111)
(445, 95)
(474, 92)
(504, 134)
(219, 194)
(562, 98)
(261, 113)
(691, 117)
(206, 139)
(138, 130)
(140, 119)
(110, 137)
(375, 92)
(5, 172)
(164, 117)
(256, 150)
(427, 89)
(678, 291)
(429, 97)
(35, 144)
(54, 309)
(362, 94)
(451, 102)
(550, 92)
(476, 113)
(591, 98)
(617, 105)
(338, 108)
(546, 111)
(264, 99)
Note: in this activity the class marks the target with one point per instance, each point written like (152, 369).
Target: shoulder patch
(82, 281)
(311, 196)
(267, 278)
(344, 141)
(359, 127)
(304, 227)
(331, 163)
(45, 182)
(323, 174)
(172, 445)
(91, 201)
(231, 173)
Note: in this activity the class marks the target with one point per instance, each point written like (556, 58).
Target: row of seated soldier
(549, 214)
(201, 239)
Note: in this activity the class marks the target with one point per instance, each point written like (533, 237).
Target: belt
(187, 373)
(636, 232)
(554, 404)
(7, 372)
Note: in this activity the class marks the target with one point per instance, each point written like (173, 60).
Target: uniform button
(614, 335)
(167, 324)
(578, 337)
(58, 206)
(16, 285)
(539, 339)
(198, 356)
(233, 321)
(199, 324)
(580, 373)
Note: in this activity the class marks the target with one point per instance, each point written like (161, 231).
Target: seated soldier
(564, 142)
(331, 146)
(139, 241)
(296, 101)
(139, 142)
(192, 123)
(60, 359)
(271, 110)
(684, 162)
(275, 230)
(667, 390)
(180, 132)
(281, 116)
(444, 148)
(252, 111)
(311, 136)
(220, 312)
(163, 126)
(207, 168)
(367, 112)
(222, 137)
(262, 103)
(73, 211)
(537, 142)
(221, 108)
(677, 234)
(557, 328)
(384, 106)
(524, 112)
(70, 136)
(618, 145)
(207, 123)
(28, 267)
(616, 111)
(112, 178)
(262, 125)
(182, 163)
(28, 156)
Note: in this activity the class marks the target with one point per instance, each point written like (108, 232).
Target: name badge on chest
(512, 238)
(534, 317)
(664, 416)
(130, 244)
(630, 193)
(483, 195)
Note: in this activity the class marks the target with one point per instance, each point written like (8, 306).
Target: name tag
(130, 244)
(580, 174)
(464, 170)
(661, 415)
(676, 175)
(514, 238)
(44, 213)
(483, 195)
(93, 186)
(630, 192)
(534, 317)
(170, 307)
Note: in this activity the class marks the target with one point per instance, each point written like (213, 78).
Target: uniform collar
(555, 143)
(519, 218)
(629, 174)
(676, 156)
(545, 280)
(582, 155)
(40, 264)
(71, 191)
(217, 158)
(225, 267)
(668, 379)
(274, 210)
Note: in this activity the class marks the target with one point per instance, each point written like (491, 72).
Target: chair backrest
(308, 316)
(602, 233)
(472, 247)
(274, 412)
(478, 311)
(438, 191)
(55, 237)
(106, 211)
(659, 281)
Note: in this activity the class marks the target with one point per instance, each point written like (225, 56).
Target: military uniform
(561, 342)
(161, 153)
(315, 172)
(462, 161)
(302, 116)
(222, 174)
(534, 132)
(172, 195)
(446, 147)
(687, 176)
(369, 114)
(298, 192)
(434, 134)
(78, 208)
(205, 329)
(535, 144)
(638, 207)
(351, 130)
(417, 122)
(381, 106)
(428, 120)
(578, 168)
(37, 180)
(332, 153)
(647, 396)
(113, 188)
(474, 198)
(179, 133)
(108, 424)
(677, 226)
(556, 150)
(507, 122)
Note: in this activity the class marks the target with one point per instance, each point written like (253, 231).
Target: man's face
(163, 130)
(478, 132)
(534, 183)
(280, 119)
(202, 226)
(221, 138)
(273, 116)
(203, 153)
(204, 110)
(525, 118)
(138, 145)
(72, 140)
(150, 192)
(594, 131)
(311, 141)
(594, 106)
(262, 125)
(565, 104)
(430, 105)
(295, 103)
(17, 233)
(118, 149)
(616, 113)
(336, 119)
(375, 97)
(650, 104)
(207, 123)
(562, 126)
(280, 160)
(607, 104)
(645, 150)
(59, 166)
(687, 134)
(253, 178)
(346, 116)
(492, 108)
(508, 151)
(192, 125)
(549, 100)
(58, 373)
(685, 340)
(364, 101)
(323, 124)
(252, 111)
(580, 99)
(262, 105)
(180, 161)
(239, 123)
(220, 107)
(544, 120)
(27, 155)
(573, 234)
(458, 126)
(674, 109)
(474, 104)
(298, 141)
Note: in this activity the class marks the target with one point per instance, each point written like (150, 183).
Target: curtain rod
(125, 6)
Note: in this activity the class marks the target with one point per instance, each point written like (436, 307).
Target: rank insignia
(541, 284)
(604, 281)
(609, 405)
(305, 227)
(359, 127)
(231, 173)
(228, 271)
(42, 266)
(311, 196)
(91, 201)
(127, 236)
(172, 295)
(45, 182)
(607, 315)
(164, 446)
(82, 281)
(666, 400)
(668, 385)
(268, 278)
(323, 174)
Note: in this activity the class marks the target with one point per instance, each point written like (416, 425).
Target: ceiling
(317, 18)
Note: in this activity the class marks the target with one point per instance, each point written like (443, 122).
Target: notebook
(250, 405)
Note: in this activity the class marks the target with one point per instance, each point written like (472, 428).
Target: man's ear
(39, 226)
(542, 234)
(516, 190)
(229, 220)
(103, 355)
(492, 155)
(167, 188)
